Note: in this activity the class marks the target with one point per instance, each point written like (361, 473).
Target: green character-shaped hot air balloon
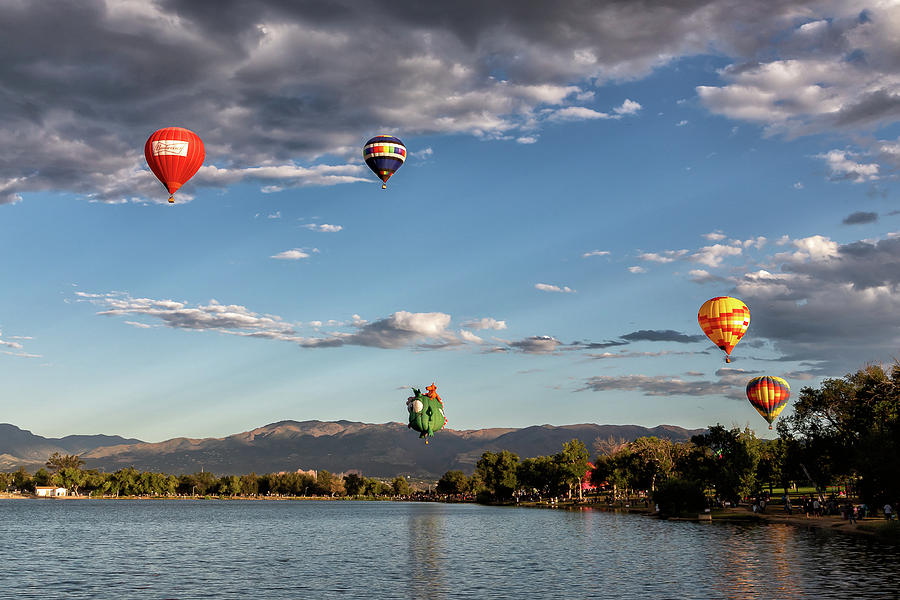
(426, 412)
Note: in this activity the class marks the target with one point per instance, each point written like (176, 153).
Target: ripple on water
(275, 550)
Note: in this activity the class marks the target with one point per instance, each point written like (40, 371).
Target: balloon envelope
(384, 154)
(174, 154)
(426, 412)
(724, 320)
(769, 396)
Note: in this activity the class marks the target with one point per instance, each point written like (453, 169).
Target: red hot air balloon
(174, 154)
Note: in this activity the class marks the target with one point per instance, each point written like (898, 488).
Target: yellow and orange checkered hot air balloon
(724, 320)
(768, 395)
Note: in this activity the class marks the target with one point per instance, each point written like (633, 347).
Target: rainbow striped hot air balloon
(384, 154)
(769, 396)
(724, 320)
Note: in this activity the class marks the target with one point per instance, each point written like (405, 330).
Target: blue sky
(578, 185)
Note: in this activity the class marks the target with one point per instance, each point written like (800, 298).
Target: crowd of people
(819, 505)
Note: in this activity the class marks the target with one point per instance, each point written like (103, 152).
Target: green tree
(354, 484)
(400, 486)
(654, 460)
(71, 478)
(325, 483)
(679, 496)
(498, 472)
(229, 485)
(726, 459)
(42, 477)
(57, 462)
(540, 474)
(22, 481)
(572, 464)
(453, 482)
(249, 485)
(850, 428)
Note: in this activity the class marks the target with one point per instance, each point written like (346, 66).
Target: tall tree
(58, 462)
(453, 482)
(498, 472)
(850, 427)
(572, 464)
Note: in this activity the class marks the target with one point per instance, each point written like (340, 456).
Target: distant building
(50, 491)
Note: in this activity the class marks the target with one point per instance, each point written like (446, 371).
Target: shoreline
(871, 526)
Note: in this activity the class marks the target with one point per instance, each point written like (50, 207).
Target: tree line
(66, 471)
(845, 432)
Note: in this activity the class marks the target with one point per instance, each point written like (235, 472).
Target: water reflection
(427, 559)
(288, 550)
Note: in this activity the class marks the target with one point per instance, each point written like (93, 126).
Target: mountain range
(375, 450)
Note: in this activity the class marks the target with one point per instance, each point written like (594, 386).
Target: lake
(127, 549)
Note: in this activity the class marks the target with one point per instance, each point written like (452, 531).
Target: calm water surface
(239, 549)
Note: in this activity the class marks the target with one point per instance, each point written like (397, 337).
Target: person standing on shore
(888, 512)
(853, 510)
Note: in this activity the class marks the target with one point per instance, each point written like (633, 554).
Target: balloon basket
(384, 186)
(171, 199)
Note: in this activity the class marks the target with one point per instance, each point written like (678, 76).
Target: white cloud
(401, 329)
(293, 254)
(681, 123)
(798, 185)
(578, 113)
(485, 323)
(595, 253)
(527, 139)
(712, 256)
(629, 107)
(324, 227)
(844, 168)
(666, 256)
(546, 287)
(241, 84)
(637, 269)
(470, 337)
(715, 236)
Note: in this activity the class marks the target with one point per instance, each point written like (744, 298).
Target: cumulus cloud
(834, 306)
(712, 256)
(249, 75)
(629, 107)
(546, 287)
(401, 329)
(843, 167)
(704, 276)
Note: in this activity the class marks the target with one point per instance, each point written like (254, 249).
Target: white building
(49, 491)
